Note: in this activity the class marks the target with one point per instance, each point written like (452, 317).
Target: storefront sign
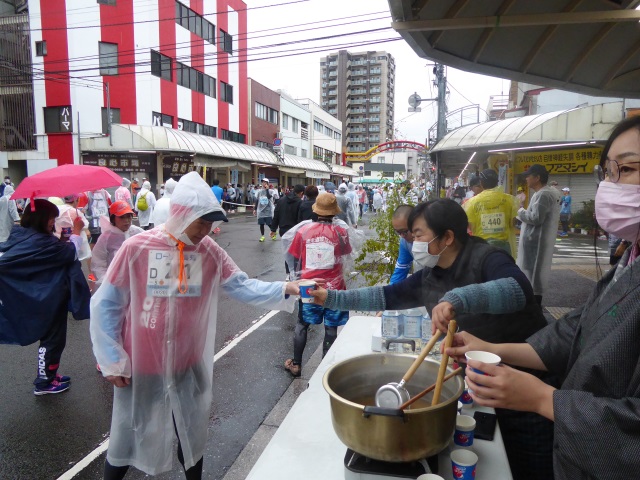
(311, 174)
(576, 161)
(121, 162)
(175, 166)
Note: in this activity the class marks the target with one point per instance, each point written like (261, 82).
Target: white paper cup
(463, 464)
(430, 476)
(465, 426)
(484, 357)
(305, 285)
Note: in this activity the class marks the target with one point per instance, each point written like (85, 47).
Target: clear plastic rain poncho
(491, 214)
(265, 203)
(107, 245)
(538, 237)
(353, 196)
(123, 194)
(161, 210)
(144, 216)
(8, 213)
(322, 250)
(153, 319)
(64, 226)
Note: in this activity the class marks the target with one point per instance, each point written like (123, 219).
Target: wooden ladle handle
(453, 326)
(423, 354)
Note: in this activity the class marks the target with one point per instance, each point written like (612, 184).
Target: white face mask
(420, 251)
(617, 209)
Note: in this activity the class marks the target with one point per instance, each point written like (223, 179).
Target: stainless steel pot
(385, 434)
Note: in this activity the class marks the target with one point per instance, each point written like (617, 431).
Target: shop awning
(587, 46)
(577, 128)
(344, 171)
(162, 139)
(299, 165)
(215, 163)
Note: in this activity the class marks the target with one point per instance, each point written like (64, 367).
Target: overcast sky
(299, 75)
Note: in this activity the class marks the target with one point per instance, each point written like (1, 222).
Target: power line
(81, 27)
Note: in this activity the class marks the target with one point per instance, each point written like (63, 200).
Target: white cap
(566, 189)
(265, 180)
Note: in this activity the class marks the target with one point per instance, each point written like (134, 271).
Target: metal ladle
(393, 394)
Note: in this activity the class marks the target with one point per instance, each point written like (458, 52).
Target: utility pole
(441, 82)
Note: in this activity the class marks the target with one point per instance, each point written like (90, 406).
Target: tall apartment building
(358, 89)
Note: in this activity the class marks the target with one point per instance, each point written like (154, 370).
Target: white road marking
(86, 461)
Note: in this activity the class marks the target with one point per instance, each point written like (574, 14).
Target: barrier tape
(239, 204)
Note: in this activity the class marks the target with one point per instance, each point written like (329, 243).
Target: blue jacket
(217, 191)
(403, 265)
(565, 203)
(40, 280)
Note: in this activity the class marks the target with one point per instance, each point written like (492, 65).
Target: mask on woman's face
(618, 209)
(420, 251)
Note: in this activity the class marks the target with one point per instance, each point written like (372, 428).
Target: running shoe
(293, 369)
(63, 379)
(262, 238)
(53, 387)
(273, 237)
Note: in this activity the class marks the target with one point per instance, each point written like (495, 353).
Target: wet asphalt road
(43, 437)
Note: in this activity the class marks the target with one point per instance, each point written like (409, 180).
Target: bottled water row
(404, 329)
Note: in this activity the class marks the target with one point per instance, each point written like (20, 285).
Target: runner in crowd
(362, 199)
(123, 194)
(594, 349)
(68, 212)
(318, 249)
(353, 197)
(97, 206)
(286, 212)
(42, 280)
(144, 205)
(347, 211)
(264, 206)
(161, 209)
(168, 281)
(217, 190)
(8, 213)
(115, 231)
(306, 207)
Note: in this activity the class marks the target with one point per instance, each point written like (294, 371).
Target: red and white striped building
(180, 64)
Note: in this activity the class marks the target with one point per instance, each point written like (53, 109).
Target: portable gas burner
(359, 467)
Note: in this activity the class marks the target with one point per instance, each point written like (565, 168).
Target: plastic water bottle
(391, 324)
(426, 327)
(412, 322)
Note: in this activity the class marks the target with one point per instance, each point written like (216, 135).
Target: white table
(306, 446)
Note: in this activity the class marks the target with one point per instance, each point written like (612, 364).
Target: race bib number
(320, 256)
(264, 201)
(162, 274)
(492, 222)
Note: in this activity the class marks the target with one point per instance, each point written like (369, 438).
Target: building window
(233, 136)
(41, 48)
(226, 92)
(195, 23)
(261, 144)
(337, 135)
(367, 173)
(294, 124)
(160, 65)
(193, 79)
(318, 153)
(303, 152)
(380, 159)
(115, 118)
(194, 127)
(285, 121)
(317, 126)
(58, 119)
(288, 149)
(226, 41)
(273, 116)
(107, 2)
(108, 58)
(161, 120)
(328, 132)
(265, 113)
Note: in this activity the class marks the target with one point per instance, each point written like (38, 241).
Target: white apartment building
(326, 133)
(294, 126)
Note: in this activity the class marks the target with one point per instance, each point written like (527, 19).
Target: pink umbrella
(66, 180)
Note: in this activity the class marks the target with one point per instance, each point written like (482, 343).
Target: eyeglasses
(403, 232)
(612, 170)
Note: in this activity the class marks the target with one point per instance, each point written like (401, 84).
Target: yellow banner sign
(575, 161)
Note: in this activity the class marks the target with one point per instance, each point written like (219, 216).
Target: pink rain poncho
(155, 322)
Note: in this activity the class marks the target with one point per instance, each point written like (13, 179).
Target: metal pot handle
(412, 343)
